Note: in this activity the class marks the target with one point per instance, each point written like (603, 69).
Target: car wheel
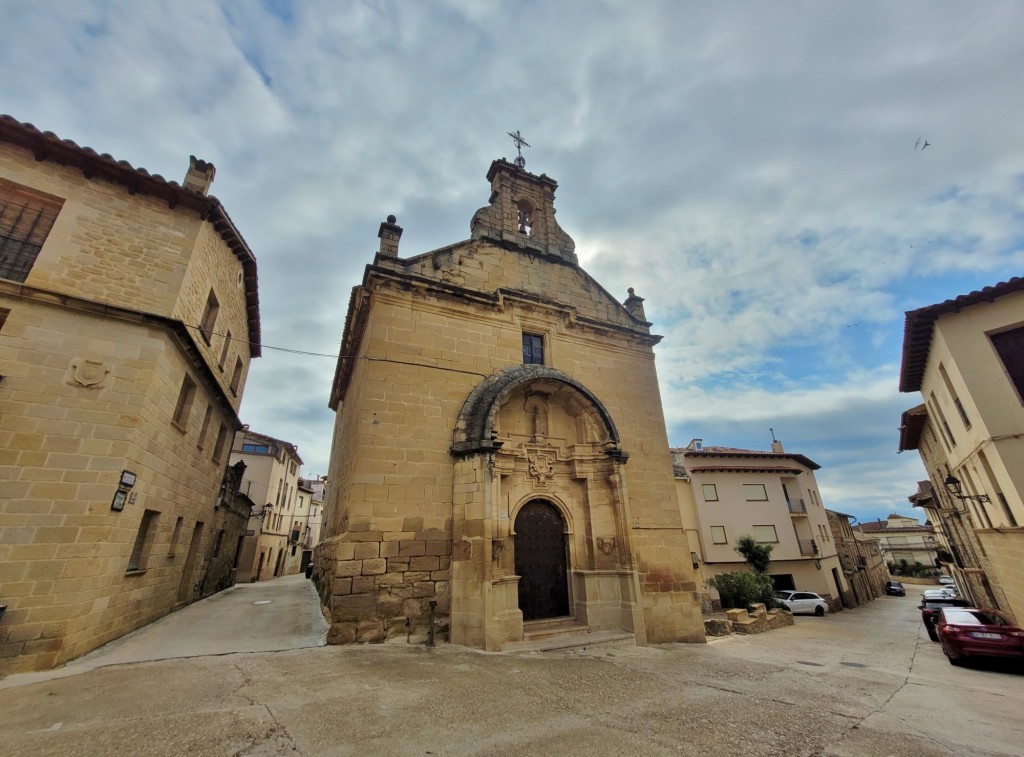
(819, 611)
(932, 633)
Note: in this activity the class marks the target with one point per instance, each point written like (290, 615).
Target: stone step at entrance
(565, 633)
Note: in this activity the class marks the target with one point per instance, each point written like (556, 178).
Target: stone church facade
(500, 453)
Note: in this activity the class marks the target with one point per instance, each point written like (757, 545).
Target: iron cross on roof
(520, 143)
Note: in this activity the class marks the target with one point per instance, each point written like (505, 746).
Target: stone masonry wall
(381, 583)
(107, 245)
(63, 551)
(88, 393)
(212, 266)
(1005, 551)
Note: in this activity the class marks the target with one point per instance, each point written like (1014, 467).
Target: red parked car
(967, 632)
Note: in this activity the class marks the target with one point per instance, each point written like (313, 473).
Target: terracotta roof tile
(918, 327)
(45, 145)
(715, 451)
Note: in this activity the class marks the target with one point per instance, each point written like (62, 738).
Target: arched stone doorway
(540, 520)
(541, 561)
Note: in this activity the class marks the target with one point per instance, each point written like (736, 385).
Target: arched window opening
(525, 218)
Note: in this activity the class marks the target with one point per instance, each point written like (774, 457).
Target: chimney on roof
(777, 447)
(200, 175)
(390, 233)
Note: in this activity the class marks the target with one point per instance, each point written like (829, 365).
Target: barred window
(1009, 346)
(26, 218)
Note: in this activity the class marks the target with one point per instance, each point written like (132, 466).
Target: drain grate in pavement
(854, 664)
(815, 664)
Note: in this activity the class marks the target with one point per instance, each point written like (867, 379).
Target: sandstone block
(412, 548)
(363, 584)
(342, 634)
(423, 589)
(370, 631)
(389, 606)
(375, 567)
(344, 568)
(438, 548)
(424, 563)
(352, 608)
(366, 549)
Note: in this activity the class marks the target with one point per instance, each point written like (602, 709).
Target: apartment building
(772, 495)
(902, 539)
(271, 481)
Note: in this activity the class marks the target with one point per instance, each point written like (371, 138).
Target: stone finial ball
(391, 219)
(630, 290)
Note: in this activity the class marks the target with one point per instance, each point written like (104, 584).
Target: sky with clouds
(749, 168)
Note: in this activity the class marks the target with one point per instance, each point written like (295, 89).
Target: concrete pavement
(861, 682)
(283, 613)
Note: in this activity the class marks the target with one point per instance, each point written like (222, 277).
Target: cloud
(749, 169)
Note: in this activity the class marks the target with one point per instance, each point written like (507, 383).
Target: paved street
(862, 682)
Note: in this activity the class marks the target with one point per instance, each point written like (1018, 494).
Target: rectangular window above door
(533, 349)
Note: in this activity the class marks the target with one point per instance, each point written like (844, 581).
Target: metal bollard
(433, 610)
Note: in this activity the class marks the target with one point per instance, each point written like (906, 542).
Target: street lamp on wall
(953, 485)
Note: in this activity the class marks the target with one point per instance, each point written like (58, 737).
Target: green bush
(743, 588)
(903, 568)
(758, 556)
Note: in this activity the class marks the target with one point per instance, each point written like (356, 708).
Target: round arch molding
(474, 431)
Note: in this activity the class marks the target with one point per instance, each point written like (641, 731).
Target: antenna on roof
(773, 434)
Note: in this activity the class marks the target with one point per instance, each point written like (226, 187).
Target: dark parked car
(968, 633)
(895, 589)
(930, 607)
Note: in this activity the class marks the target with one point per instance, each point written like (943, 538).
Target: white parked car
(806, 602)
(947, 592)
(947, 581)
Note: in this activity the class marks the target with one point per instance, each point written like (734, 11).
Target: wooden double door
(541, 559)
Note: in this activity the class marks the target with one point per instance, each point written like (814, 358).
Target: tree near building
(742, 588)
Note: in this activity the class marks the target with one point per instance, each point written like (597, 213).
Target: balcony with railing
(808, 547)
(796, 506)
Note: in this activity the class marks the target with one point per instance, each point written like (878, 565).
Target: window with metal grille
(1010, 347)
(533, 349)
(26, 218)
